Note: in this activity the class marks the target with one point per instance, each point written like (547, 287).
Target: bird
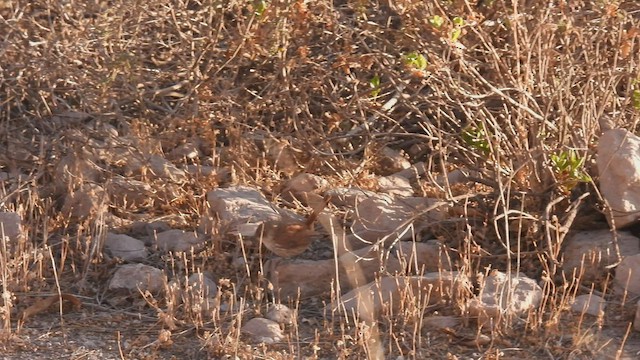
(290, 237)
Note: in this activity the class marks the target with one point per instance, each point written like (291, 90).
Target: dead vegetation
(512, 93)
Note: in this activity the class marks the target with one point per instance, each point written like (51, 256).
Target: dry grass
(525, 81)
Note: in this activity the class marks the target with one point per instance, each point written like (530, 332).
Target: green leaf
(436, 21)
(635, 99)
(375, 84)
(476, 138)
(455, 34)
(260, 6)
(416, 60)
(458, 21)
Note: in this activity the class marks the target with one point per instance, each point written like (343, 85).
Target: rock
(87, 201)
(589, 304)
(357, 268)
(161, 168)
(455, 177)
(502, 296)
(263, 330)
(281, 314)
(134, 277)
(240, 205)
(438, 322)
(618, 162)
(303, 184)
(74, 169)
(390, 161)
(281, 155)
(430, 289)
(189, 150)
(592, 251)
(201, 170)
(395, 185)
(148, 229)
(627, 278)
(378, 218)
(430, 256)
(349, 197)
(306, 277)
(179, 240)
(636, 321)
(10, 225)
(130, 194)
(202, 286)
(125, 247)
(413, 172)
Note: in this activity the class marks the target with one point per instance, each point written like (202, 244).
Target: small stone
(201, 285)
(135, 277)
(179, 240)
(89, 200)
(10, 225)
(125, 247)
(589, 304)
(503, 295)
(280, 313)
(263, 330)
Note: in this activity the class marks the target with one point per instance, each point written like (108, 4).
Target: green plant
(259, 7)
(458, 23)
(374, 82)
(416, 61)
(476, 138)
(635, 99)
(568, 167)
(436, 21)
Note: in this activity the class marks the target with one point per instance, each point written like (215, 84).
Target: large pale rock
(592, 251)
(377, 218)
(10, 225)
(502, 297)
(263, 330)
(240, 205)
(627, 279)
(392, 292)
(134, 277)
(618, 163)
(125, 247)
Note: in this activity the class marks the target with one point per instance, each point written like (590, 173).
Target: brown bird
(290, 237)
